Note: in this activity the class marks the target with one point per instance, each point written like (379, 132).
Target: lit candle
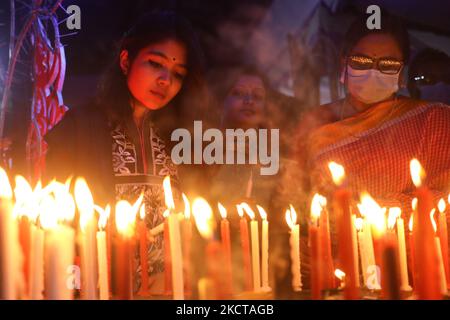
(27, 205)
(85, 204)
(36, 263)
(412, 262)
(344, 221)
(374, 220)
(362, 250)
(314, 240)
(56, 212)
(404, 281)
(254, 235)
(428, 286)
(187, 238)
(102, 256)
(390, 273)
(294, 241)
(143, 252)
(355, 250)
(9, 241)
(125, 220)
(264, 250)
(245, 249)
(212, 286)
(443, 281)
(167, 256)
(328, 278)
(226, 244)
(175, 243)
(443, 237)
(370, 254)
(23, 194)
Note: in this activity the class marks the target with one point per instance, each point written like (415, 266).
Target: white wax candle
(36, 263)
(59, 253)
(295, 258)
(355, 251)
(255, 255)
(89, 261)
(176, 255)
(404, 281)
(443, 281)
(265, 255)
(8, 249)
(102, 266)
(362, 252)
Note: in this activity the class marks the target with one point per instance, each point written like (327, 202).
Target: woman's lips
(158, 94)
(248, 112)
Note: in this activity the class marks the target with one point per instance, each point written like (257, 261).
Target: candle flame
(240, 211)
(394, 213)
(337, 172)
(318, 203)
(432, 219)
(85, 202)
(441, 206)
(64, 202)
(125, 218)
(5, 186)
(411, 222)
(24, 204)
(359, 224)
(136, 207)
(339, 274)
(248, 210)
(374, 214)
(448, 199)
(166, 213)
(291, 217)
(48, 215)
(222, 210)
(142, 212)
(203, 216)
(170, 204)
(414, 204)
(103, 215)
(262, 212)
(417, 172)
(187, 207)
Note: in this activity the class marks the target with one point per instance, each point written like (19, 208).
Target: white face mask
(370, 86)
(439, 92)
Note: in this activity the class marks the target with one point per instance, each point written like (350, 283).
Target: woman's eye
(237, 93)
(179, 76)
(155, 64)
(259, 97)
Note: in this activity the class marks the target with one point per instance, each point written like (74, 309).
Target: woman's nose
(248, 99)
(164, 78)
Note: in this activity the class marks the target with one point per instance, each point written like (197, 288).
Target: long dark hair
(113, 95)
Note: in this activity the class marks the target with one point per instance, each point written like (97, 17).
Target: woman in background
(373, 132)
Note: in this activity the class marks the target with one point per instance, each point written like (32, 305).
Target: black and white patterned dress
(140, 163)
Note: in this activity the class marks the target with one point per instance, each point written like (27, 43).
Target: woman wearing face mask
(373, 132)
(119, 143)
